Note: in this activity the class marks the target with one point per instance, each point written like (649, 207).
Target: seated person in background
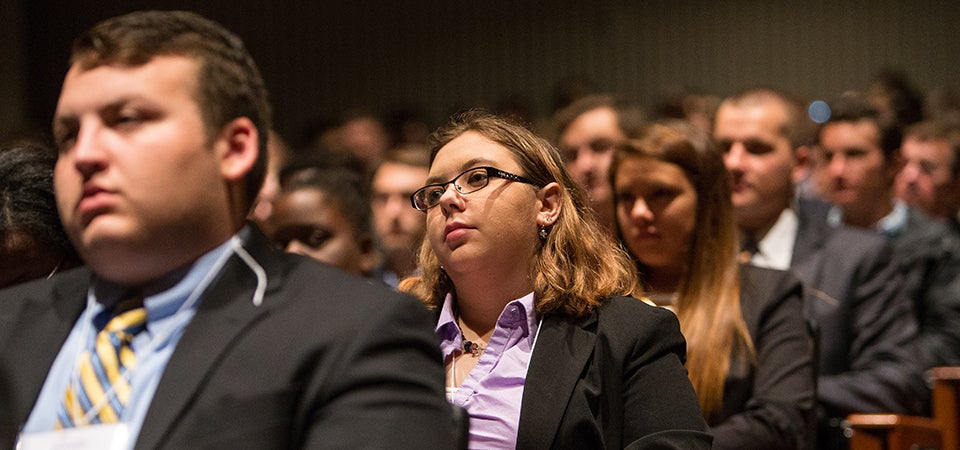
(32, 241)
(398, 227)
(277, 155)
(323, 211)
(851, 288)
(856, 162)
(929, 179)
(749, 349)
(543, 344)
(585, 133)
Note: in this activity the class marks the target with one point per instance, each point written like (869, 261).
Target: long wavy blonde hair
(577, 266)
(708, 303)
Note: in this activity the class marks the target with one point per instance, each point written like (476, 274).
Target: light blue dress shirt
(167, 316)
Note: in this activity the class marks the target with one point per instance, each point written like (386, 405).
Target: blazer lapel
(38, 334)
(225, 311)
(562, 350)
(812, 231)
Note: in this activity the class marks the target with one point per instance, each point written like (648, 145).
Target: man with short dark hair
(398, 228)
(850, 289)
(586, 132)
(857, 158)
(187, 330)
(930, 177)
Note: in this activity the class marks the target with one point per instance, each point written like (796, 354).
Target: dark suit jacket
(770, 405)
(613, 380)
(852, 293)
(327, 361)
(927, 251)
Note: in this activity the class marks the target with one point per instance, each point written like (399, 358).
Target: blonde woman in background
(748, 345)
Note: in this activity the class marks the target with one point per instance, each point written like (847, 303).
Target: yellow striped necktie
(100, 392)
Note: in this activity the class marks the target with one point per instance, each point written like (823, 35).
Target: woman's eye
(477, 179)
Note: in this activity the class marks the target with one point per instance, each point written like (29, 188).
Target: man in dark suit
(850, 288)
(858, 157)
(186, 330)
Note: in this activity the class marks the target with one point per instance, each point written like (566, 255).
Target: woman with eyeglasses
(543, 344)
(749, 351)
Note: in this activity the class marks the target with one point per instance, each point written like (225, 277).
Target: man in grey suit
(187, 330)
(851, 290)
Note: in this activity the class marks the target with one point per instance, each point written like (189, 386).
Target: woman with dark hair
(32, 241)
(543, 344)
(749, 350)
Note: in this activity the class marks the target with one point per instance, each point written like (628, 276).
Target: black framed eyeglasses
(471, 180)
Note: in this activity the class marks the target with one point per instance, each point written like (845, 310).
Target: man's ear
(549, 197)
(238, 148)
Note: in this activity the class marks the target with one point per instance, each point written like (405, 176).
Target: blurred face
(656, 209)
(494, 228)
(850, 169)
(263, 206)
(307, 222)
(398, 225)
(926, 180)
(759, 158)
(366, 138)
(587, 149)
(140, 188)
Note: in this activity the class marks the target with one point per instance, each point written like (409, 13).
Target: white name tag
(115, 436)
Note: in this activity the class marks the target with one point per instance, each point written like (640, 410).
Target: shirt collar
(449, 330)
(891, 224)
(775, 249)
(165, 296)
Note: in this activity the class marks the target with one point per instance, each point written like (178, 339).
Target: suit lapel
(225, 311)
(561, 352)
(812, 231)
(39, 332)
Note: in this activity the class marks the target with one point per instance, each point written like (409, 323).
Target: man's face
(587, 148)
(926, 180)
(139, 189)
(849, 167)
(760, 160)
(398, 225)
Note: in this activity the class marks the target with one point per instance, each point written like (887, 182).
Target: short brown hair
(630, 118)
(797, 128)
(938, 131)
(229, 83)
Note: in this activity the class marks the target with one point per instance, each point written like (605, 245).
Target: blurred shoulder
(767, 283)
(631, 316)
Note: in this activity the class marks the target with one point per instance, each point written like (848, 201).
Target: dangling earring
(543, 233)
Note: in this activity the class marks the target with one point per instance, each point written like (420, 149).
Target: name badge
(114, 436)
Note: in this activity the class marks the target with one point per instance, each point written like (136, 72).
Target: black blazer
(770, 405)
(613, 380)
(852, 292)
(327, 361)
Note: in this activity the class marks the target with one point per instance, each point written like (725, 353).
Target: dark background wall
(321, 57)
